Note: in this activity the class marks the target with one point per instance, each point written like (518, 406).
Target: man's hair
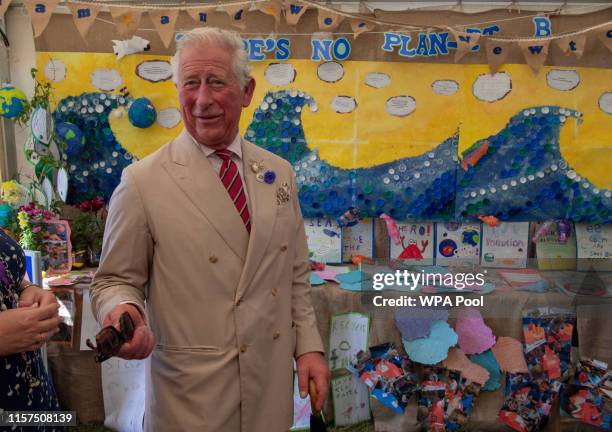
(215, 36)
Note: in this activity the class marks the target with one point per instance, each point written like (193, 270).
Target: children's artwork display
(505, 245)
(554, 253)
(416, 243)
(348, 335)
(351, 400)
(462, 141)
(324, 238)
(594, 245)
(358, 239)
(457, 243)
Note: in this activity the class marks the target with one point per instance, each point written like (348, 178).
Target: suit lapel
(195, 176)
(262, 197)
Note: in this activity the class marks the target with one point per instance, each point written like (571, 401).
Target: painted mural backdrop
(413, 140)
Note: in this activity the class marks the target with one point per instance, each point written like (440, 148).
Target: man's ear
(249, 89)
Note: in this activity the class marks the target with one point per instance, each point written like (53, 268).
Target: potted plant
(87, 232)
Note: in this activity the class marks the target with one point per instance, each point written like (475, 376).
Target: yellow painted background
(369, 136)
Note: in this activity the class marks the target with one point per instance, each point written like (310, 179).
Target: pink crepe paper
(475, 336)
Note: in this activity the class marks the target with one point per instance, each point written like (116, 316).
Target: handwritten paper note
(324, 238)
(505, 245)
(553, 254)
(123, 388)
(417, 243)
(457, 243)
(358, 240)
(594, 243)
(351, 400)
(348, 335)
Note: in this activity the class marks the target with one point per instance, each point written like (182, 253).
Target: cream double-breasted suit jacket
(228, 311)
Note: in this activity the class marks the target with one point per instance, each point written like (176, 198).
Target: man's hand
(312, 365)
(141, 345)
(36, 295)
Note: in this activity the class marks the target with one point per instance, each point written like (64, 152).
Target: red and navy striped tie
(230, 177)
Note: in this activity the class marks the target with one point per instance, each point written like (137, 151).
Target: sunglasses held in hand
(109, 340)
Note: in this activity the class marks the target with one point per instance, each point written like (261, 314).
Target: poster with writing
(457, 243)
(351, 400)
(358, 240)
(505, 245)
(594, 247)
(554, 254)
(123, 389)
(348, 335)
(324, 238)
(301, 409)
(89, 325)
(416, 243)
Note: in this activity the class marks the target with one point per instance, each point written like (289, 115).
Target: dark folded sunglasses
(109, 340)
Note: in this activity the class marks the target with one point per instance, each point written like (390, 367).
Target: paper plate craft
(433, 348)
(415, 323)
(475, 336)
(509, 355)
(12, 101)
(458, 361)
(487, 360)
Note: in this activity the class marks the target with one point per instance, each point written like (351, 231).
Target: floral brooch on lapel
(283, 194)
(262, 174)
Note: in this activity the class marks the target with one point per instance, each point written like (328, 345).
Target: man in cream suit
(205, 248)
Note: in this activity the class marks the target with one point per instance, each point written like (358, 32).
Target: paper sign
(301, 409)
(348, 335)
(106, 79)
(377, 80)
(457, 243)
(89, 325)
(169, 117)
(491, 88)
(594, 244)
(400, 106)
(351, 400)
(553, 254)
(330, 72)
(417, 243)
(280, 74)
(358, 240)
(324, 238)
(505, 245)
(154, 70)
(123, 388)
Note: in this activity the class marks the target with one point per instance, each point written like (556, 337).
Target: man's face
(210, 95)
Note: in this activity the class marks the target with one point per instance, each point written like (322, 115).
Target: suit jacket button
(283, 248)
(243, 348)
(213, 259)
(276, 335)
(274, 291)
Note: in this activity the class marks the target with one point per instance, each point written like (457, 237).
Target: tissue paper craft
(433, 348)
(487, 360)
(475, 336)
(509, 355)
(414, 323)
(458, 361)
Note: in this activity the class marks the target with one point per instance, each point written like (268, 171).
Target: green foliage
(86, 232)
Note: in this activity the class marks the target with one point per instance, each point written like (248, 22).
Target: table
(77, 376)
